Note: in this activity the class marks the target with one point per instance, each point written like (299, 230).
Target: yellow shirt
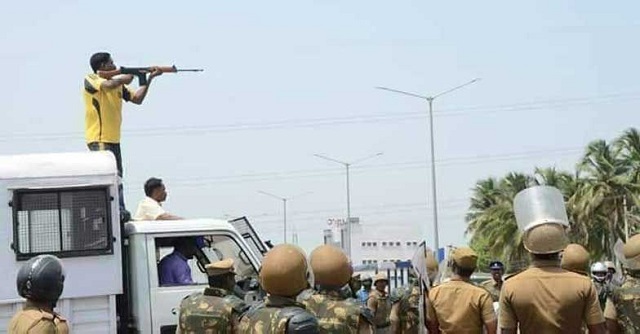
(460, 307)
(103, 110)
(548, 299)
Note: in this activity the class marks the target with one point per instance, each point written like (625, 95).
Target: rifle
(141, 72)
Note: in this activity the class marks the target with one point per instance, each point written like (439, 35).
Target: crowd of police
(320, 294)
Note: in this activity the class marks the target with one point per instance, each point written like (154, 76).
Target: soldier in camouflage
(622, 310)
(335, 313)
(283, 275)
(217, 309)
(405, 312)
(380, 304)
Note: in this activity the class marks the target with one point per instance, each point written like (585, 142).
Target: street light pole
(347, 166)
(284, 209)
(430, 99)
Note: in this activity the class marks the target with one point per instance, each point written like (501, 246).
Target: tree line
(601, 195)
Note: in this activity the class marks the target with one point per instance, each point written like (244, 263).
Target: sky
(286, 80)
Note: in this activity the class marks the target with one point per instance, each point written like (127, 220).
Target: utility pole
(347, 166)
(430, 99)
(284, 210)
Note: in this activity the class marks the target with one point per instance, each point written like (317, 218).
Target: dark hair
(151, 185)
(98, 59)
(463, 272)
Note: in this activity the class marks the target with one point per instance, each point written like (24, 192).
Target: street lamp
(433, 158)
(347, 165)
(284, 206)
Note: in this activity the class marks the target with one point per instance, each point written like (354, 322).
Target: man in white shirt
(150, 208)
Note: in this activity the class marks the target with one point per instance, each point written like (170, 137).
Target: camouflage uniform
(405, 313)
(215, 311)
(283, 276)
(274, 316)
(625, 301)
(380, 304)
(335, 313)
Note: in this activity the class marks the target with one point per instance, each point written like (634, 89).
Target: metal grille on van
(65, 222)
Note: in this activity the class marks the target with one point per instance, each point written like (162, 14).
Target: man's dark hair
(98, 59)
(151, 185)
(463, 272)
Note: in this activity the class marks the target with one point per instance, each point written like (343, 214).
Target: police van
(66, 204)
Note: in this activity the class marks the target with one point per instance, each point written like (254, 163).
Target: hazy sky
(285, 80)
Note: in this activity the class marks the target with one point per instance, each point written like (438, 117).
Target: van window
(210, 248)
(66, 222)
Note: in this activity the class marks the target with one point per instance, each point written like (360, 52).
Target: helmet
(610, 265)
(599, 271)
(575, 258)
(284, 271)
(380, 277)
(432, 266)
(631, 251)
(545, 239)
(41, 279)
(330, 266)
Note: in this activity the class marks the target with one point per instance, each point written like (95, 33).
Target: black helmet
(41, 279)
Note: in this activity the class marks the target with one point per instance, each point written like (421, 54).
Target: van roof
(57, 165)
(168, 226)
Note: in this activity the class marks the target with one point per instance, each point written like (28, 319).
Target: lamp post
(347, 166)
(430, 100)
(284, 209)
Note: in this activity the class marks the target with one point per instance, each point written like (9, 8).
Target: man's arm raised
(141, 93)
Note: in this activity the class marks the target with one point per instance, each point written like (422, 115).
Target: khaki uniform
(492, 287)
(460, 307)
(33, 320)
(380, 305)
(624, 305)
(548, 299)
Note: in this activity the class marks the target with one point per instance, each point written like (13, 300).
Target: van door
(166, 299)
(250, 236)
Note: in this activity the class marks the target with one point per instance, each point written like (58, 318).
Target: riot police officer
(335, 313)
(41, 281)
(283, 275)
(575, 258)
(546, 298)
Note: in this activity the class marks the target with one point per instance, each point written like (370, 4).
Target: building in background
(375, 244)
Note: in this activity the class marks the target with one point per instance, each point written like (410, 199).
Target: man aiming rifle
(104, 90)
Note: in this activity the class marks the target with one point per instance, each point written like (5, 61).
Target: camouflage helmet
(575, 258)
(545, 239)
(284, 271)
(631, 252)
(330, 266)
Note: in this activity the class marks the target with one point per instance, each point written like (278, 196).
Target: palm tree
(599, 200)
(491, 220)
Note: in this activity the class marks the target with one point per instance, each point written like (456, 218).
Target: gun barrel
(190, 70)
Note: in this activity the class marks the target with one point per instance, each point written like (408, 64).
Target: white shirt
(148, 209)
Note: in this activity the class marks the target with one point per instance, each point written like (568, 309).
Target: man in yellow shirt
(103, 109)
